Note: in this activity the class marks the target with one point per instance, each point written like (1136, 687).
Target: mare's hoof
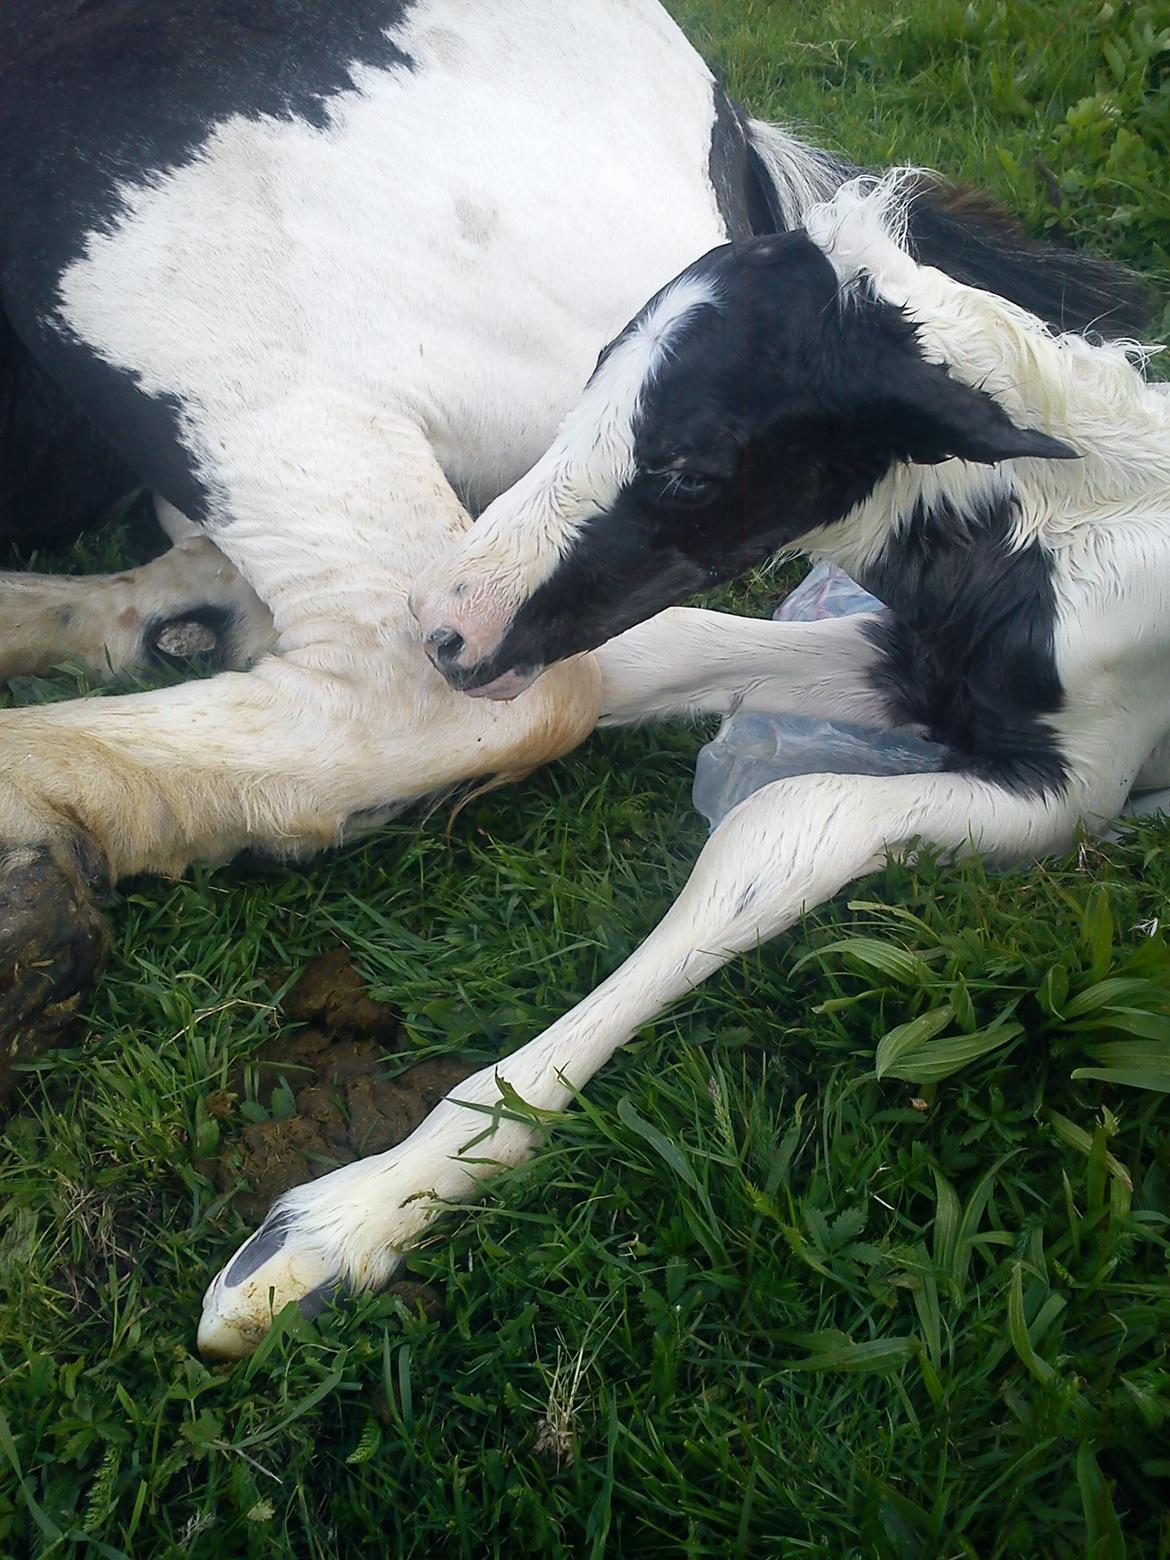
(52, 943)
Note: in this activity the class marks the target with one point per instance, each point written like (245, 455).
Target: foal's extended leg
(190, 601)
(687, 661)
(782, 851)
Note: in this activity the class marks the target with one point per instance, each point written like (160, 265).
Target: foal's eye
(682, 489)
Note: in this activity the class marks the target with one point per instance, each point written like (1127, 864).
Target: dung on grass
(321, 1095)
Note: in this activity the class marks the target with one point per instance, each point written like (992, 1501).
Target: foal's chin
(507, 686)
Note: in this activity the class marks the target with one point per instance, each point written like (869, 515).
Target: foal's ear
(934, 417)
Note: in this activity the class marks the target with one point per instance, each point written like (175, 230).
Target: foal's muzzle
(447, 650)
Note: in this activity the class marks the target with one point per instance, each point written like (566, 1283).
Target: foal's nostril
(444, 646)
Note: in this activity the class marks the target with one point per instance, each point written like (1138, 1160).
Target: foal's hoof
(271, 1268)
(52, 943)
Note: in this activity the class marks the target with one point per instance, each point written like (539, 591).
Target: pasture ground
(752, 1299)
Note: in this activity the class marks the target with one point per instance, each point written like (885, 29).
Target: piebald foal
(1004, 488)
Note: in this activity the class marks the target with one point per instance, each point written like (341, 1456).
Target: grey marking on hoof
(319, 1299)
(266, 1242)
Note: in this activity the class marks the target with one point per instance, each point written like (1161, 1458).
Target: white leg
(191, 601)
(691, 662)
(346, 718)
(782, 851)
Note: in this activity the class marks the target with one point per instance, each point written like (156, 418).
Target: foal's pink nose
(436, 613)
(448, 641)
(457, 632)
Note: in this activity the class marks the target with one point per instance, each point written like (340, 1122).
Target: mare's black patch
(968, 649)
(767, 214)
(57, 473)
(97, 93)
(977, 243)
(101, 92)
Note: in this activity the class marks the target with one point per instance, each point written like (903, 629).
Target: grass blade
(670, 1152)
(908, 1038)
(941, 1059)
(871, 954)
(876, 1357)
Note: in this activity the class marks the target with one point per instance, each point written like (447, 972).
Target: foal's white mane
(1088, 392)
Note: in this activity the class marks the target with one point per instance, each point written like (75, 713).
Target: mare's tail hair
(967, 235)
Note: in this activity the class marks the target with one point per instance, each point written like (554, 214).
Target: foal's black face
(738, 450)
(769, 410)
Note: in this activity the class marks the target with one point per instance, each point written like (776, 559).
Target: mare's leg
(345, 722)
(190, 601)
(782, 851)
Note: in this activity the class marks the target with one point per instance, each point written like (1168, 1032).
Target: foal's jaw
(509, 685)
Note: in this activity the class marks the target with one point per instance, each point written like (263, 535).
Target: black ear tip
(1044, 447)
(768, 249)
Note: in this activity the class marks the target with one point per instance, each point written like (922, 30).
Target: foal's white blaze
(520, 538)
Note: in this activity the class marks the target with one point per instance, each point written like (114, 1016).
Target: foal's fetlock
(53, 940)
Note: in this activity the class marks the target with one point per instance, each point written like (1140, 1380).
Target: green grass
(752, 1299)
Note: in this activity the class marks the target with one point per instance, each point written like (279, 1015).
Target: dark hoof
(183, 640)
(53, 940)
(207, 632)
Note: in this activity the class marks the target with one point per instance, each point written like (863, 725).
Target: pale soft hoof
(266, 1273)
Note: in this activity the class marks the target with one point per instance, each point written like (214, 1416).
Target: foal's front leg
(687, 661)
(781, 852)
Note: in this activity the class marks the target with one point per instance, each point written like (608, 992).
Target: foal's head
(754, 401)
